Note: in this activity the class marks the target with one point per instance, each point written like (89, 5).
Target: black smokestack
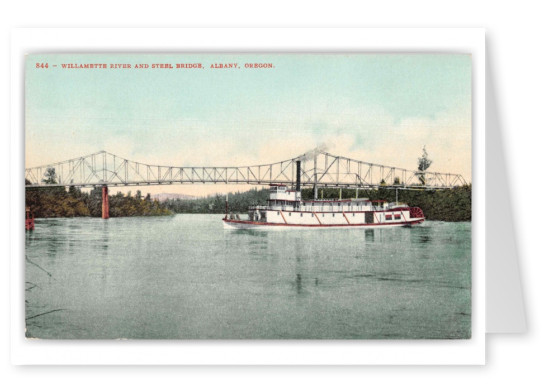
(298, 175)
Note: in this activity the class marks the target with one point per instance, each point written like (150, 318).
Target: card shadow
(505, 312)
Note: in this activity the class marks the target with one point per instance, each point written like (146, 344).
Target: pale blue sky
(379, 108)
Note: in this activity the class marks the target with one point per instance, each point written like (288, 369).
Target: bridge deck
(321, 170)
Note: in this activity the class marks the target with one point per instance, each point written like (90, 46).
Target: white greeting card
(250, 198)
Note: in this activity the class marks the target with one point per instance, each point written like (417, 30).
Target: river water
(185, 277)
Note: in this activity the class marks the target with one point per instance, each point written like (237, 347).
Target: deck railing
(322, 208)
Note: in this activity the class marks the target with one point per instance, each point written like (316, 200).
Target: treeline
(445, 205)
(58, 202)
(238, 202)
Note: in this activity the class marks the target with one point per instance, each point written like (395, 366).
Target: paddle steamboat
(286, 209)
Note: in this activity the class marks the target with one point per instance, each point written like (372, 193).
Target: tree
(95, 201)
(74, 191)
(50, 176)
(424, 164)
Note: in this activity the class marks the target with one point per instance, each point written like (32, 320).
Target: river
(185, 277)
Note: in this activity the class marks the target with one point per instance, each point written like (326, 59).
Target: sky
(379, 108)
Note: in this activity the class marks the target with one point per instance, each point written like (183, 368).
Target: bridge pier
(104, 202)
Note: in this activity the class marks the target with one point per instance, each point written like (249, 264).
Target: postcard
(221, 196)
(278, 197)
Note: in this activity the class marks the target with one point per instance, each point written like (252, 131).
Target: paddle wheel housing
(416, 212)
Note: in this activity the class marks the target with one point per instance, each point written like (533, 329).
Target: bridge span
(319, 169)
(316, 169)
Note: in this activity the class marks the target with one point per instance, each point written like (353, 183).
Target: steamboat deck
(285, 209)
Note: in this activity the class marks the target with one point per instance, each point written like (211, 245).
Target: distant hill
(237, 202)
(161, 197)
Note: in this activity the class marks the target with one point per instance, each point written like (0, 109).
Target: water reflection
(369, 235)
(55, 222)
(424, 239)
(422, 235)
(298, 283)
(29, 237)
(52, 247)
(105, 237)
(247, 232)
(301, 283)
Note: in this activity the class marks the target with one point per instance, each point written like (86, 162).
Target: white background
(517, 42)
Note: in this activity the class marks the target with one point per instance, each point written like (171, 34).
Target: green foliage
(56, 202)
(237, 202)
(424, 161)
(423, 164)
(120, 206)
(50, 176)
(445, 205)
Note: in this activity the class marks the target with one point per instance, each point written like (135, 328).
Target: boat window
(289, 213)
(301, 215)
(388, 217)
(312, 215)
(396, 217)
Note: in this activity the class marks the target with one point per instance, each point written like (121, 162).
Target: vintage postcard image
(248, 196)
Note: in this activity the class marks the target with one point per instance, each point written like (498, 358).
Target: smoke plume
(315, 152)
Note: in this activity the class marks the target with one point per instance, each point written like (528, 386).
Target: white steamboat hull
(286, 210)
(247, 224)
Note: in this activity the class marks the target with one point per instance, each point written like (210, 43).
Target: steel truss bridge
(318, 170)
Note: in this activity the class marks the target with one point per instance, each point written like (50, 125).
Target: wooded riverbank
(444, 205)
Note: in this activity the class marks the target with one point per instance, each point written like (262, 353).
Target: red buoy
(29, 219)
